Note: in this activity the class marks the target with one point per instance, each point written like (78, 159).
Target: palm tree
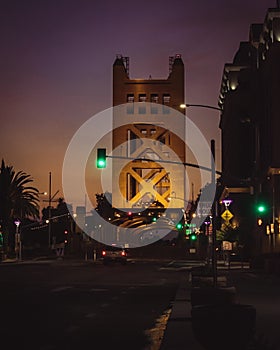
(18, 200)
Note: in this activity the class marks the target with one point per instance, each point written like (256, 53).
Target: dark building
(250, 125)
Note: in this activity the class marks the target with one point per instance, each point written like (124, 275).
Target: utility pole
(50, 188)
(49, 209)
(214, 215)
(50, 200)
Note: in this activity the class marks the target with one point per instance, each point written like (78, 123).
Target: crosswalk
(179, 265)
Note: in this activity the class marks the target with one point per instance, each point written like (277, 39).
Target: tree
(63, 224)
(18, 200)
(104, 205)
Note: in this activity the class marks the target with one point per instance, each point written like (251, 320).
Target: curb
(178, 333)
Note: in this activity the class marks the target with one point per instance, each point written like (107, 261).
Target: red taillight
(123, 254)
(103, 252)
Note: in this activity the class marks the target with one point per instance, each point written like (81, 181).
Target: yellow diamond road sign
(227, 215)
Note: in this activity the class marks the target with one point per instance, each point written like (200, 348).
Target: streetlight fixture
(17, 240)
(213, 183)
(227, 202)
(185, 105)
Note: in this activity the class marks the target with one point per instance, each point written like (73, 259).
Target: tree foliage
(18, 199)
(104, 204)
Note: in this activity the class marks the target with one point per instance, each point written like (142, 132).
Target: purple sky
(57, 56)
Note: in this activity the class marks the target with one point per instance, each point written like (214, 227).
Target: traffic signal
(193, 237)
(101, 158)
(261, 208)
(179, 226)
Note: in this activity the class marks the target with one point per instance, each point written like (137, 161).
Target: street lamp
(17, 240)
(213, 183)
(185, 105)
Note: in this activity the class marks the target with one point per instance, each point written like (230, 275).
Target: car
(114, 253)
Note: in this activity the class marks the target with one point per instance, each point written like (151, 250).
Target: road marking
(60, 289)
(156, 333)
(99, 290)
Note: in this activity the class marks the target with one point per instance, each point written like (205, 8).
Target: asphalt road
(68, 305)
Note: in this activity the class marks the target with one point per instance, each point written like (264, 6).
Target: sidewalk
(253, 288)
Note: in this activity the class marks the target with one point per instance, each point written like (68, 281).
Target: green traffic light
(179, 226)
(101, 158)
(101, 163)
(193, 237)
(261, 208)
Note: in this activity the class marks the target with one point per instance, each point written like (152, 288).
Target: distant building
(142, 183)
(250, 125)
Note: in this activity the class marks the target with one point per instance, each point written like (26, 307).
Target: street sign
(227, 245)
(204, 208)
(227, 215)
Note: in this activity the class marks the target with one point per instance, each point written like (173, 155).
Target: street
(51, 305)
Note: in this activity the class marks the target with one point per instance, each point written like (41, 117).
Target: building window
(130, 98)
(154, 99)
(142, 98)
(142, 109)
(130, 106)
(154, 109)
(166, 103)
(166, 99)
(144, 131)
(153, 131)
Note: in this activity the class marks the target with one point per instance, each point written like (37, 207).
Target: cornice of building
(261, 38)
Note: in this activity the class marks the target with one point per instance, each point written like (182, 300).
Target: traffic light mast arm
(169, 162)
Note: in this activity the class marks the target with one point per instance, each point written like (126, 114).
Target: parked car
(114, 254)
